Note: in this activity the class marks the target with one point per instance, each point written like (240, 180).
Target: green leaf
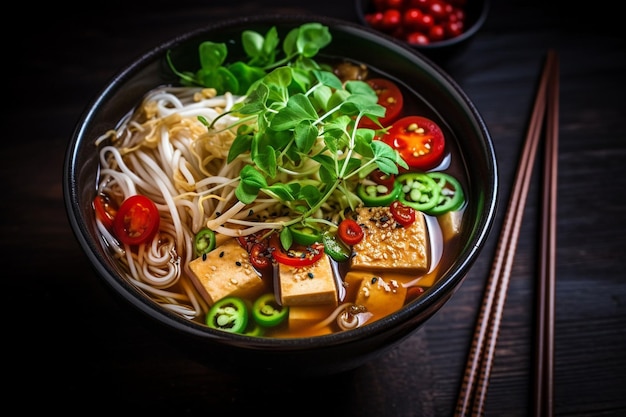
(310, 194)
(286, 239)
(338, 98)
(265, 159)
(301, 80)
(271, 44)
(363, 142)
(240, 145)
(254, 102)
(251, 181)
(246, 75)
(329, 79)
(283, 192)
(212, 55)
(320, 97)
(278, 80)
(290, 44)
(311, 38)
(305, 135)
(353, 164)
(387, 158)
(221, 79)
(252, 43)
(362, 89)
(298, 108)
(327, 174)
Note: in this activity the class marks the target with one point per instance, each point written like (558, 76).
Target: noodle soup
(280, 211)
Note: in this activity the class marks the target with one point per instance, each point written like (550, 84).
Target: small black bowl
(476, 12)
(304, 356)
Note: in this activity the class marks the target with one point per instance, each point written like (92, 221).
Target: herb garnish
(297, 123)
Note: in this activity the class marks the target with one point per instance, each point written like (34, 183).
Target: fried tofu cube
(312, 285)
(381, 297)
(225, 271)
(386, 245)
(352, 282)
(450, 223)
(301, 316)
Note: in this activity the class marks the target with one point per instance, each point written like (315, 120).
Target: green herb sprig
(299, 46)
(297, 124)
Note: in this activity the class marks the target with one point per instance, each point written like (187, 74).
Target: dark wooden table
(70, 345)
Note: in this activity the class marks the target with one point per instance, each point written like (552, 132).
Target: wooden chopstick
(544, 338)
(480, 359)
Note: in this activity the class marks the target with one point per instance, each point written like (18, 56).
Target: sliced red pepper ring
(105, 212)
(350, 232)
(297, 256)
(259, 256)
(229, 314)
(402, 214)
(419, 191)
(267, 312)
(451, 197)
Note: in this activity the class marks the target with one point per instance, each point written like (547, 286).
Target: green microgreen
(297, 123)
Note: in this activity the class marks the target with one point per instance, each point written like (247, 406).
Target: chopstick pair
(473, 392)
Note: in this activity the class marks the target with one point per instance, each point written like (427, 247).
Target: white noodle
(163, 151)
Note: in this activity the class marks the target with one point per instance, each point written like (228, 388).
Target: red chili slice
(105, 212)
(297, 256)
(402, 214)
(350, 232)
(258, 256)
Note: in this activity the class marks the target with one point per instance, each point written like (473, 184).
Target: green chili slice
(204, 241)
(229, 314)
(267, 312)
(253, 329)
(451, 197)
(378, 195)
(335, 248)
(305, 235)
(419, 191)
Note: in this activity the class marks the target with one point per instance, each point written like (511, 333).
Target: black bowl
(476, 12)
(302, 356)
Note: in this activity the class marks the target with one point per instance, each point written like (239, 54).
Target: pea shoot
(297, 124)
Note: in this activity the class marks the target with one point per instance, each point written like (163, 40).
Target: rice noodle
(163, 151)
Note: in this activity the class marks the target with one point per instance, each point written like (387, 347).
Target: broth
(163, 267)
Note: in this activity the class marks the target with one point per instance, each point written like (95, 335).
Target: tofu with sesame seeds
(225, 271)
(387, 245)
(311, 285)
